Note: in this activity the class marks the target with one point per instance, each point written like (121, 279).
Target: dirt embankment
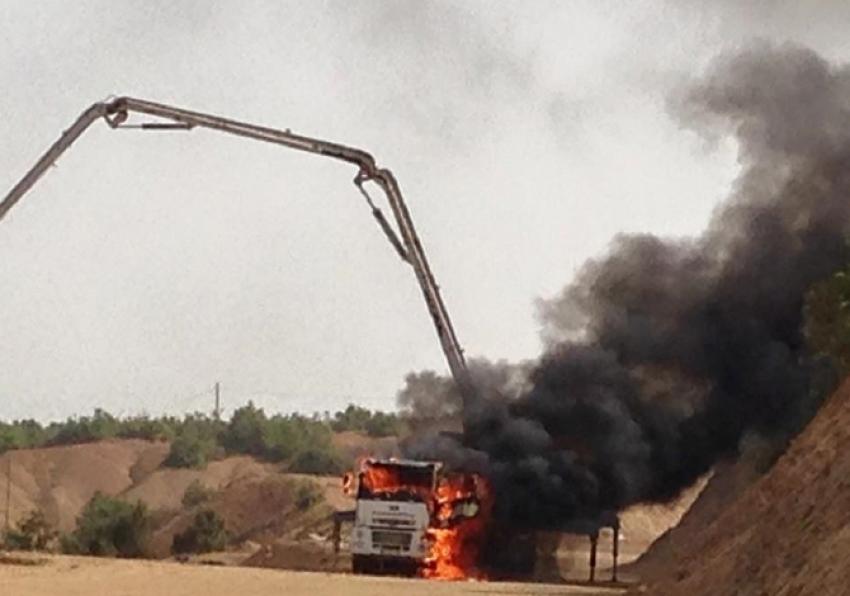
(724, 485)
(258, 503)
(788, 533)
(61, 480)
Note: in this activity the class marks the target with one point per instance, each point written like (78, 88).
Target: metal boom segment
(409, 247)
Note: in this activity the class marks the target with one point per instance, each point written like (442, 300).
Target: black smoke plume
(664, 354)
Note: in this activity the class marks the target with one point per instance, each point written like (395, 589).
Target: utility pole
(217, 411)
(8, 489)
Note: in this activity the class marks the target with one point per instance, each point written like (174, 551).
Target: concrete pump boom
(116, 113)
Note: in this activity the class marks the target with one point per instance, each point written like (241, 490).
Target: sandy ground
(78, 576)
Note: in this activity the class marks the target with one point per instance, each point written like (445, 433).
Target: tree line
(303, 443)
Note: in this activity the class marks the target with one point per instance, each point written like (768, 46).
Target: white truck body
(392, 515)
(390, 528)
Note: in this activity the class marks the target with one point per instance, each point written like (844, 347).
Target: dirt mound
(259, 509)
(726, 483)
(640, 525)
(310, 555)
(331, 487)
(61, 480)
(787, 533)
(256, 501)
(164, 487)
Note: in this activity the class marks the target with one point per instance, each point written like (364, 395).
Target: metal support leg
(616, 551)
(337, 534)
(593, 542)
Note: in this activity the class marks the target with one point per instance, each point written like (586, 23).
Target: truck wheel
(359, 564)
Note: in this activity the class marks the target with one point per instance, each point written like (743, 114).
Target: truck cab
(394, 504)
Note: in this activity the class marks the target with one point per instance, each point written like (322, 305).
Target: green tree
(245, 432)
(150, 429)
(317, 461)
(21, 434)
(280, 438)
(33, 533)
(375, 424)
(352, 418)
(207, 533)
(86, 429)
(195, 444)
(110, 527)
(196, 493)
(382, 424)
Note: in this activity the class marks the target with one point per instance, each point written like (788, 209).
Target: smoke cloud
(663, 354)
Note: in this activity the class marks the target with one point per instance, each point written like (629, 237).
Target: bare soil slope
(788, 533)
(256, 501)
(726, 483)
(61, 480)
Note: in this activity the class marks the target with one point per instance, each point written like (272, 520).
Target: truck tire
(360, 564)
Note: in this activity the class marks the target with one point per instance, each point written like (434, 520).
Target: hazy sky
(146, 266)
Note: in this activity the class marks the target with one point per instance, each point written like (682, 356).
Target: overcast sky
(147, 266)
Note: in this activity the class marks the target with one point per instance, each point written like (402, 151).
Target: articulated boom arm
(117, 111)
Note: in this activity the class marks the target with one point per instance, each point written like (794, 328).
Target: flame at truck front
(463, 505)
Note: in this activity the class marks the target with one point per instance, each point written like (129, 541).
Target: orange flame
(376, 478)
(348, 484)
(463, 504)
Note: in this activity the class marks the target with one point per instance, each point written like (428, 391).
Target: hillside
(727, 481)
(257, 502)
(788, 533)
(60, 480)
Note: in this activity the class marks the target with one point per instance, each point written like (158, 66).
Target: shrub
(382, 424)
(101, 425)
(194, 446)
(196, 493)
(375, 424)
(109, 527)
(21, 434)
(189, 452)
(352, 418)
(206, 534)
(151, 429)
(245, 431)
(307, 494)
(34, 533)
(317, 461)
(280, 438)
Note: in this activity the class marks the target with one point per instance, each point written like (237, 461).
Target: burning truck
(414, 518)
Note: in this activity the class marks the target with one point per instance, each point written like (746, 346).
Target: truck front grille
(394, 522)
(391, 540)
